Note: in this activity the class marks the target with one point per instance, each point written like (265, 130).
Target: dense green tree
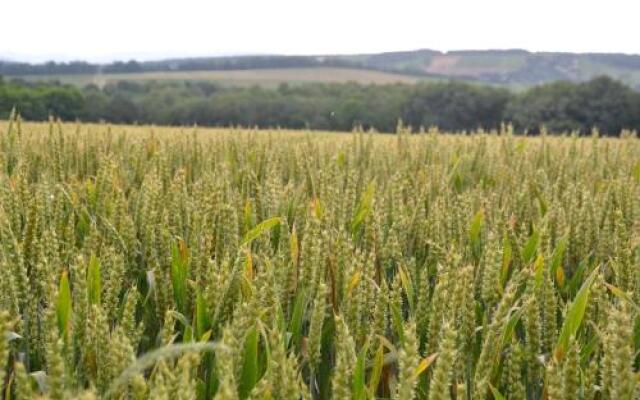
(601, 103)
(548, 105)
(453, 106)
(456, 106)
(606, 104)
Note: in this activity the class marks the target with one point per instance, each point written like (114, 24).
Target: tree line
(10, 68)
(601, 103)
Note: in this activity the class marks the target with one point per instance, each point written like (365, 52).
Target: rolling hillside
(512, 68)
(241, 77)
(506, 66)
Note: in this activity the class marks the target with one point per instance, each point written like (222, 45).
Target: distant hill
(514, 68)
(511, 67)
(263, 77)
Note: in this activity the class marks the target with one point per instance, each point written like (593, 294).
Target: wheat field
(187, 263)
(243, 78)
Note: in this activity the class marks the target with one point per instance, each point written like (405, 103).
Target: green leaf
(363, 209)
(179, 272)
(281, 322)
(246, 288)
(259, 229)
(318, 208)
(325, 370)
(560, 277)
(203, 322)
(424, 364)
(496, 393)
(63, 305)
(341, 160)
(507, 254)
(574, 316)
(295, 324)
(577, 277)
(543, 205)
(358, 388)
(248, 216)
(249, 375)
(530, 248)
(454, 176)
(475, 228)
(93, 280)
(622, 295)
(397, 322)
(92, 198)
(206, 336)
(505, 337)
(538, 268)
(180, 317)
(458, 183)
(187, 336)
(376, 371)
(558, 255)
(510, 327)
(405, 279)
(294, 249)
(588, 349)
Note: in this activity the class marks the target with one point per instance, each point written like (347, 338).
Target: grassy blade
(538, 269)
(558, 255)
(363, 209)
(179, 261)
(203, 322)
(93, 280)
(295, 324)
(63, 305)
(475, 229)
(424, 364)
(405, 279)
(376, 371)
(496, 393)
(574, 316)
(259, 229)
(507, 254)
(249, 375)
(359, 388)
(530, 247)
(621, 294)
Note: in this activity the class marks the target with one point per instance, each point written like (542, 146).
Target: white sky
(38, 30)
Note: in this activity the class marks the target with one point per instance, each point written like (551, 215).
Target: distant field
(512, 69)
(260, 77)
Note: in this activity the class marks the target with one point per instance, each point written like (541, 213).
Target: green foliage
(93, 281)
(561, 107)
(574, 317)
(250, 365)
(63, 306)
(260, 229)
(179, 274)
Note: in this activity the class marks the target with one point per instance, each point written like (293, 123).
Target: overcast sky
(38, 30)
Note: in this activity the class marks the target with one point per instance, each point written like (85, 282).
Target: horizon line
(141, 57)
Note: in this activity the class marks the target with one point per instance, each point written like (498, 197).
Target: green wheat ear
(439, 388)
(165, 353)
(148, 263)
(5, 328)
